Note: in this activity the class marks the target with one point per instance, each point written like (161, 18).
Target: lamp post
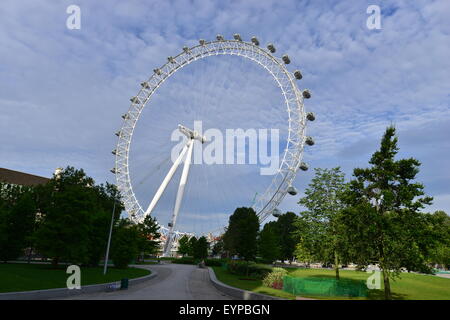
(109, 238)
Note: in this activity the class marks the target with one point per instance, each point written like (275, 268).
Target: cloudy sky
(62, 91)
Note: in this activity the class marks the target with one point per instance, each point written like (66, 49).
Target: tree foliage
(75, 217)
(285, 228)
(183, 245)
(269, 242)
(218, 247)
(200, 249)
(17, 220)
(318, 229)
(125, 243)
(240, 237)
(148, 236)
(383, 222)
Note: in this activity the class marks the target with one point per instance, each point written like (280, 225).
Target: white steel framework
(266, 203)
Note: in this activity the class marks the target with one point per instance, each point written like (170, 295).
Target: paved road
(173, 282)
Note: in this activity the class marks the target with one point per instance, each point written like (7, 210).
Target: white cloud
(62, 92)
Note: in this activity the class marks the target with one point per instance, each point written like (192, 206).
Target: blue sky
(62, 91)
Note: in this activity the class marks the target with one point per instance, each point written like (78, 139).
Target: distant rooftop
(21, 178)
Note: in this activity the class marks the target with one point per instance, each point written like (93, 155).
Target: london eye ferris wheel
(291, 112)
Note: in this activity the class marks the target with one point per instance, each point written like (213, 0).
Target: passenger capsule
(309, 141)
(113, 170)
(219, 37)
(255, 41)
(157, 71)
(171, 59)
(145, 85)
(186, 49)
(170, 224)
(298, 74)
(306, 94)
(303, 166)
(286, 59)
(202, 42)
(292, 191)
(310, 116)
(135, 100)
(271, 48)
(117, 133)
(276, 213)
(237, 37)
(125, 116)
(114, 152)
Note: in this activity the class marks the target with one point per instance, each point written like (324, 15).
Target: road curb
(238, 293)
(65, 293)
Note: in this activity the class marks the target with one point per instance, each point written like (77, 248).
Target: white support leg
(183, 180)
(167, 179)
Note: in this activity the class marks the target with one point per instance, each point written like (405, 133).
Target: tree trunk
(55, 262)
(336, 265)
(29, 254)
(387, 285)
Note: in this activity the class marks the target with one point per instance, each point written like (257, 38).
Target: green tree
(440, 223)
(318, 226)
(201, 248)
(241, 235)
(75, 217)
(285, 225)
(66, 204)
(149, 236)
(100, 220)
(217, 248)
(302, 252)
(383, 223)
(124, 243)
(268, 242)
(17, 220)
(191, 246)
(183, 245)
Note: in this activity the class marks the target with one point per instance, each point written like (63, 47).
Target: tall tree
(269, 242)
(318, 226)
(183, 245)
(191, 246)
(17, 220)
(440, 222)
(124, 243)
(100, 220)
(241, 235)
(383, 222)
(285, 225)
(217, 248)
(201, 248)
(75, 217)
(149, 236)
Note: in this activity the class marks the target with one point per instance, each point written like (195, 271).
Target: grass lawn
(250, 285)
(409, 287)
(25, 277)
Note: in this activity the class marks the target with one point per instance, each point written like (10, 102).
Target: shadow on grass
(379, 295)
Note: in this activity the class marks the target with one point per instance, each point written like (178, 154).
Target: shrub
(185, 260)
(274, 279)
(254, 270)
(124, 244)
(214, 262)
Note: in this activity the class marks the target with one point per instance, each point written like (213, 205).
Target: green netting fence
(325, 287)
